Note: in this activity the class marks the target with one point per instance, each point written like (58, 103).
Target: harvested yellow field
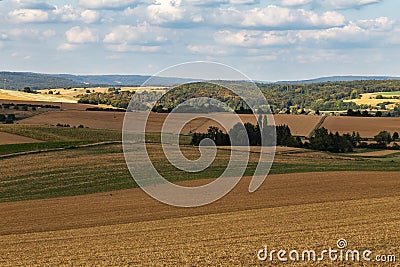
(379, 153)
(9, 97)
(370, 99)
(17, 95)
(367, 127)
(7, 138)
(74, 92)
(292, 211)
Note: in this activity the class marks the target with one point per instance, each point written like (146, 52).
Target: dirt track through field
(133, 205)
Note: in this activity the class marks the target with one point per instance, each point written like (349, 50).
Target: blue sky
(266, 40)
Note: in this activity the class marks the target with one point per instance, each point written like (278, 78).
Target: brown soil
(6, 138)
(367, 127)
(296, 211)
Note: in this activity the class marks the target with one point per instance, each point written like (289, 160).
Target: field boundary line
(318, 125)
(58, 149)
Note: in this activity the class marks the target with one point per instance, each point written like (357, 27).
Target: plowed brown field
(6, 138)
(299, 124)
(367, 127)
(292, 211)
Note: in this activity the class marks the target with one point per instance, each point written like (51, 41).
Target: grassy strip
(102, 169)
(61, 134)
(397, 93)
(17, 148)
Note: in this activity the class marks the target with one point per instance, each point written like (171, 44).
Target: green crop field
(397, 93)
(102, 168)
(61, 134)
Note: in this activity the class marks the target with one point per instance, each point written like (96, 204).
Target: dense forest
(283, 98)
(114, 97)
(323, 96)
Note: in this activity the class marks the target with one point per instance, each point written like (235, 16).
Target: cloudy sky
(267, 40)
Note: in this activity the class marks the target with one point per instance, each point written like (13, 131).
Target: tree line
(322, 139)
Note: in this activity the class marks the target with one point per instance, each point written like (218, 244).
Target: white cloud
(144, 34)
(331, 4)
(373, 33)
(67, 47)
(295, 2)
(244, 2)
(78, 35)
(133, 48)
(49, 33)
(26, 34)
(345, 4)
(69, 13)
(28, 15)
(90, 16)
(66, 13)
(207, 49)
(207, 2)
(378, 24)
(347, 34)
(248, 38)
(32, 4)
(278, 18)
(164, 11)
(107, 4)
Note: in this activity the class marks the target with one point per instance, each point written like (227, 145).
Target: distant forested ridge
(37, 81)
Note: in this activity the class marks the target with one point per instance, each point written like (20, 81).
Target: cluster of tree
(68, 126)
(383, 140)
(260, 134)
(26, 106)
(249, 134)
(105, 109)
(7, 118)
(358, 113)
(366, 113)
(28, 90)
(327, 141)
(114, 97)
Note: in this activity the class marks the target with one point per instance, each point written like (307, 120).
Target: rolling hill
(36, 81)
